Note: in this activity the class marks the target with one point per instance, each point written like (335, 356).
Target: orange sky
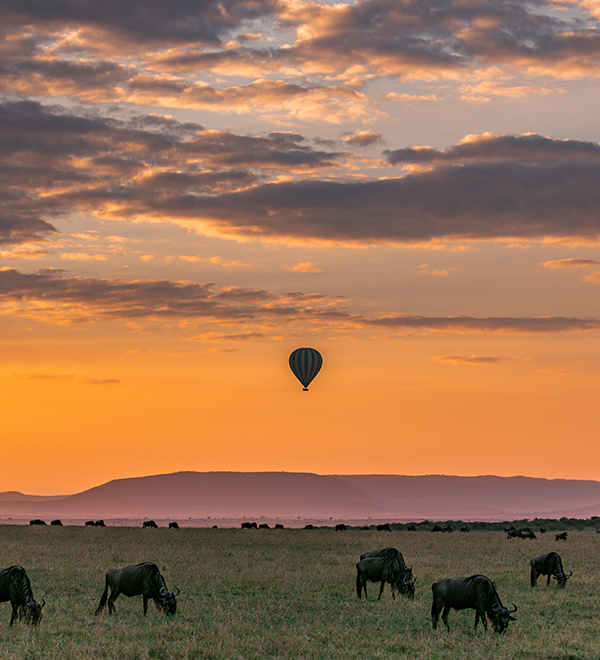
(189, 197)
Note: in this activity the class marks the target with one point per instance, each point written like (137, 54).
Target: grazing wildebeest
(478, 593)
(528, 535)
(15, 587)
(309, 526)
(411, 528)
(173, 525)
(340, 527)
(514, 534)
(37, 521)
(149, 523)
(384, 528)
(562, 536)
(56, 523)
(99, 523)
(89, 523)
(263, 526)
(464, 528)
(249, 525)
(141, 579)
(550, 565)
(386, 565)
(279, 526)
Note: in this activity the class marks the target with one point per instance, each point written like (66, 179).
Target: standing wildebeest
(550, 565)
(340, 527)
(562, 536)
(514, 534)
(528, 535)
(149, 523)
(385, 527)
(437, 528)
(464, 528)
(411, 528)
(99, 523)
(478, 593)
(37, 521)
(173, 525)
(144, 579)
(56, 523)
(89, 523)
(249, 525)
(386, 565)
(15, 586)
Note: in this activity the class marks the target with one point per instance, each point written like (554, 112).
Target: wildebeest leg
(445, 615)
(114, 594)
(548, 582)
(381, 589)
(480, 614)
(435, 613)
(533, 577)
(360, 584)
(145, 603)
(15, 610)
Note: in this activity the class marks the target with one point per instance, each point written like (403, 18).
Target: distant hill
(303, 495)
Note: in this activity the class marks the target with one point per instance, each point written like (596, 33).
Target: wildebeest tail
(358, 583)
(103, 599)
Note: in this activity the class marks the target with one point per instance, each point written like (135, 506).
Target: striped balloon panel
(305, 363)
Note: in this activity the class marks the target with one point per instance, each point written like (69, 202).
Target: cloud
(467, 359)
(306, 267)
(55, 298)
(553, 372)
(571, 263)
(363, 138)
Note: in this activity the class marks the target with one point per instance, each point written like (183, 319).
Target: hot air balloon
(305, 363)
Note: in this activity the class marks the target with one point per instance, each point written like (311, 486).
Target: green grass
(290, 594)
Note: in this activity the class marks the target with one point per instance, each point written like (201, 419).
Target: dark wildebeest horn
(177, 590)
(43, 602)
(513, 610)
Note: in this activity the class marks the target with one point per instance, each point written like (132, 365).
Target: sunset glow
(190, 191)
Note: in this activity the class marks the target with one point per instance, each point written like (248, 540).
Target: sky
(191, 190)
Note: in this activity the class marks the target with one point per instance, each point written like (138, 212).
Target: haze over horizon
(191, 193)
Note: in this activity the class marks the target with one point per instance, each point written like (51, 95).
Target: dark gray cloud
(81, 300)
(145, 21)
(96, 160)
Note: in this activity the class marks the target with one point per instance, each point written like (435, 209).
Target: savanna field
(290, 594)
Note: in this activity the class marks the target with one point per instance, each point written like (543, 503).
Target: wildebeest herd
(387, 565)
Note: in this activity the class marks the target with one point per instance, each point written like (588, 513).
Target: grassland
(290, 594)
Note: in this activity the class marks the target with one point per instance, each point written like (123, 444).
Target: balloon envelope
(305, 363)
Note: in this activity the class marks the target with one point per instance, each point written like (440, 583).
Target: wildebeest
(386, 565)
(89, 523)
(550, 565)
(528, 535)
(437, 528)
(385, 527)
(173, 525)
(249, 525)
(264, 526)
(15, 587)
(340, 527)
(562, 536)
(309, 526)
(99, 523)
(514, 534)
(37, 521)
(411, 528)
(279, 526)
(149, 523)
(464, 528)
(448, 528)
(141, 579)
(542, 530)
(56, 523)
(476, 592)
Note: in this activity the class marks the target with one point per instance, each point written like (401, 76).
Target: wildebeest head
(404, 583)
(168, 601)
(500, 616)
(32, 611)
(561, 578)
